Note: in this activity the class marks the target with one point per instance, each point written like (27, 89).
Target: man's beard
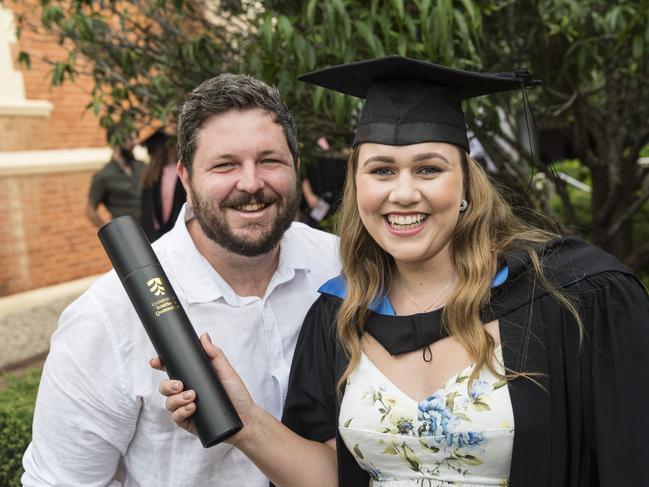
(214, 223)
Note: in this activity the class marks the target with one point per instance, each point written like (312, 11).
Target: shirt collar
(199, 280)
(291, 250)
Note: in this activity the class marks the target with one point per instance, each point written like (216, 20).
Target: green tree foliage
(144, 55)
(593, 56)
(297, 37)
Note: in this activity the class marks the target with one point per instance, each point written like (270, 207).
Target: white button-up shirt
(98, 402)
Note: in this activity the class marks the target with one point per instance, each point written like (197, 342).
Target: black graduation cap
(411, 101)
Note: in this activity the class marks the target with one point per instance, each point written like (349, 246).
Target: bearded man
(245, 273)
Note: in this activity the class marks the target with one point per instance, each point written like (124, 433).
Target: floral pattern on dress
(441, 440)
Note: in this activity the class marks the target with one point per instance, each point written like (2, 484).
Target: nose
(250, 179)
(404, 192)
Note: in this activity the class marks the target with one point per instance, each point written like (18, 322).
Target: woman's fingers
(211, 349)
(220, 362)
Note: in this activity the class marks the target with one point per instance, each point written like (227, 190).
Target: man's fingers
(179, 401)
(170, 386)
(181, 415)
(156, 363)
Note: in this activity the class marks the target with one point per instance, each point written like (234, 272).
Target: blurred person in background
(117, 184)
(322, 185)
(162, 194)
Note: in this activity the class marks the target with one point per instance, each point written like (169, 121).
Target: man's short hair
(230, 92)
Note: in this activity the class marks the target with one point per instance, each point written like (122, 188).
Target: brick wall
(69, 124)
(45, 237)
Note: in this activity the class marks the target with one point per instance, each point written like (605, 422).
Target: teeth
(250, 207)
(404, 220)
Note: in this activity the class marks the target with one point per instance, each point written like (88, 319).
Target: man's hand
(181, 403)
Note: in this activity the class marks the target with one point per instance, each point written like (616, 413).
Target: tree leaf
(310, 12)
(340, 7)
(284, 27)
(366, 33)
(402, 46)
(266, 32)
(52, 14)
(317, 98)
(424, 9)
(638, 47)
(58, 73)
(473, 13)
(398, 6)
(96, 105)
(24, 59)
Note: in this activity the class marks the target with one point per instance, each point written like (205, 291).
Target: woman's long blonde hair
(484, 231)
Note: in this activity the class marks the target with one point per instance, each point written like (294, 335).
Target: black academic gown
(587, 426)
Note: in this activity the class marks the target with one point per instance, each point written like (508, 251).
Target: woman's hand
(261, 433)
(181, 403)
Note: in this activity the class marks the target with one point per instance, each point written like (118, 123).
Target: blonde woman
(460, 346)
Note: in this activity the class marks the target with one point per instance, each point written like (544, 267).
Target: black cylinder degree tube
(169, 328)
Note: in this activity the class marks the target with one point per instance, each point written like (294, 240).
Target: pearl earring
(463, 206)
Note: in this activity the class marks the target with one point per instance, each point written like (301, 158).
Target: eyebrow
(430, 155)
(264, 153)
(387, 159)
(271, 152)
(418, 158)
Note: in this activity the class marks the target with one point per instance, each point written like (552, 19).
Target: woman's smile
(406, 224)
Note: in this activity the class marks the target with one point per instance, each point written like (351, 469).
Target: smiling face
(409, 198)
(243, 184)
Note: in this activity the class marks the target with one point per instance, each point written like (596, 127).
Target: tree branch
(628, 213)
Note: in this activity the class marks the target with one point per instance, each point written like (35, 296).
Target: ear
(183, 174)
(297, 165)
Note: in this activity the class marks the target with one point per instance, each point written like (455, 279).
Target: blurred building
(49, 148)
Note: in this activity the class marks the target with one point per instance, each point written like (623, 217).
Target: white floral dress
(453, 437)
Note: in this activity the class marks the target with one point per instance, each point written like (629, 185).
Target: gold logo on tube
(156, 287)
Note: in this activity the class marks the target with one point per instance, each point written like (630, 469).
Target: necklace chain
(437, 299)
